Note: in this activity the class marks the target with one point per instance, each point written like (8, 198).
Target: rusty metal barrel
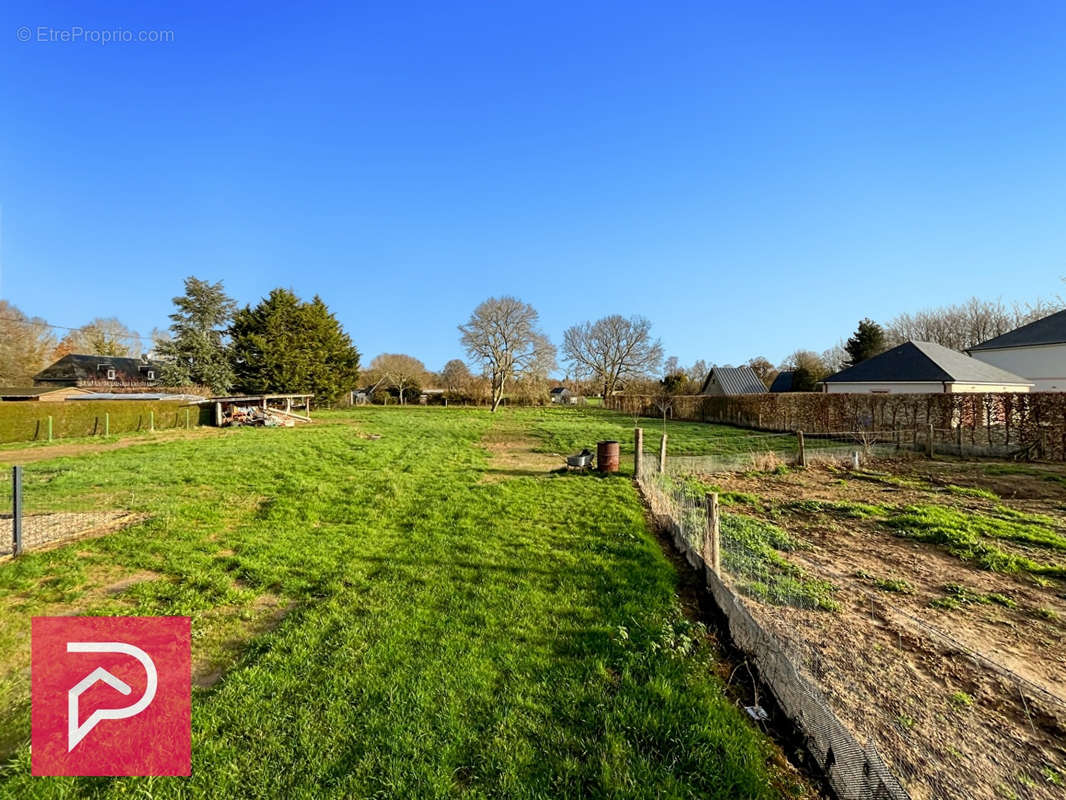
(607, 457)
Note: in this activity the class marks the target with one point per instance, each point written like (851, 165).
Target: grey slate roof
(80, 367)
(735, 380)
(783, 381)
(922, 362)
(1049, 330)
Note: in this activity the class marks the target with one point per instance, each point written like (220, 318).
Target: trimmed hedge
(27, 421)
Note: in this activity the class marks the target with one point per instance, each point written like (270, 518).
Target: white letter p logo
(76, 732)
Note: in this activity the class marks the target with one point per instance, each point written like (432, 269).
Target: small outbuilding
(732, 381)
(42, 394)
(923, 368)
(560, 395)
(1036, 351)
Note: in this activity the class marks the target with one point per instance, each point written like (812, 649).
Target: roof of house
(735, 380)
(1049, 330)
(558, 390)
(79, 367)
(922, 362)
(783, 381)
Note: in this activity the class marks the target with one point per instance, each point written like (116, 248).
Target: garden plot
(934, 615)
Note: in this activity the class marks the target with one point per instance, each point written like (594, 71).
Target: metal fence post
(16, 510)
(49, 427)
(187, 418)
(107, 423)
(638, 451)
(151, 421)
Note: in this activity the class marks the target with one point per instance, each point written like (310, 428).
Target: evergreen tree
(867, 341)
(286, 345)
(196, 352)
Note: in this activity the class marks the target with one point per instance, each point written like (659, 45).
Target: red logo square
(111, 696)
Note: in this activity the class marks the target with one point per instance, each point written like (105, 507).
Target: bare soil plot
(958, 673)
(55, 528)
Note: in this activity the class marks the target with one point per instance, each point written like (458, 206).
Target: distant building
(1036, 351)
(98, 371)
(561, 395)
(732, 381)
(923, 368)
(43, 394)
(783, 381)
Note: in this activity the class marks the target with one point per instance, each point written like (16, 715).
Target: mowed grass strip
(445, 636)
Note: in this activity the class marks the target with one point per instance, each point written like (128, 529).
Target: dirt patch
(44, 531)
(31, 453)
(512, 456)
(225, 631)
(958, 674)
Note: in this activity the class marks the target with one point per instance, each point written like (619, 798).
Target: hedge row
(1009, 422)
(27, 421)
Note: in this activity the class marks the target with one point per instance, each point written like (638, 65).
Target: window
(111, 373)
(151, 374)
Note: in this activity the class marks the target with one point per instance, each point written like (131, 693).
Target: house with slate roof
(732, 381)
(98, 371)
(1036, 351)
(923, 368)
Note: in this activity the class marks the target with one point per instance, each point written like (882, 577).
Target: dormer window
(111, 373)
(151, 374)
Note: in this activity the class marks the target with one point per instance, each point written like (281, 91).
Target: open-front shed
(260, 409)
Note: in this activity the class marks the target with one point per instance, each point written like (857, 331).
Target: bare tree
(103, 337)
(764, 369)
(398, 371)
(456, 378)
(964, 325)
(612, 349)
(502, 335)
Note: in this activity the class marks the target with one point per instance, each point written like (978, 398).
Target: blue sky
(753, 177)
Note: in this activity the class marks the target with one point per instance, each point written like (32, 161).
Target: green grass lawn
(442, 635)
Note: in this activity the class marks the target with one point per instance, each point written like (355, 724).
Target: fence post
(151, 421)
(49, 427)
(107, 423)
(930, 448)
(712, 546)
(638, 451)
(662, 455)
(802, 449)
(186, 418)
(16, 510)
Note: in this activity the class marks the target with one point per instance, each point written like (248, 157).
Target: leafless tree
(764, 369)
(456, 378)
(835, 358)
(612, 350)
(503, 336)
(103, 336)
(398, 371)
(964, 325)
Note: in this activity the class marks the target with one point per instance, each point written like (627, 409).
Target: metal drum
(607, 457)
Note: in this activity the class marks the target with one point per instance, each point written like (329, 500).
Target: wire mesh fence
(36, 512)
(883, 698)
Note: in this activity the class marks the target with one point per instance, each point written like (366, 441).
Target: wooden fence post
(930, 448)
(16, 511)
(638, 451)
(662, 455)
(802, 449)
(712, 545)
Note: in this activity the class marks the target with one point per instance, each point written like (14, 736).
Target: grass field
(377, 617)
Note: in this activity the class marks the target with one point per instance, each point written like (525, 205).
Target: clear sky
(753, 177)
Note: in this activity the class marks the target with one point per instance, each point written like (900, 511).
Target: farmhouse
(96, 371)
(732, 381)
(1036, 351)
(923, 368)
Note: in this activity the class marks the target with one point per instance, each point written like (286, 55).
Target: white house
(923, 368)
(1036, 351)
